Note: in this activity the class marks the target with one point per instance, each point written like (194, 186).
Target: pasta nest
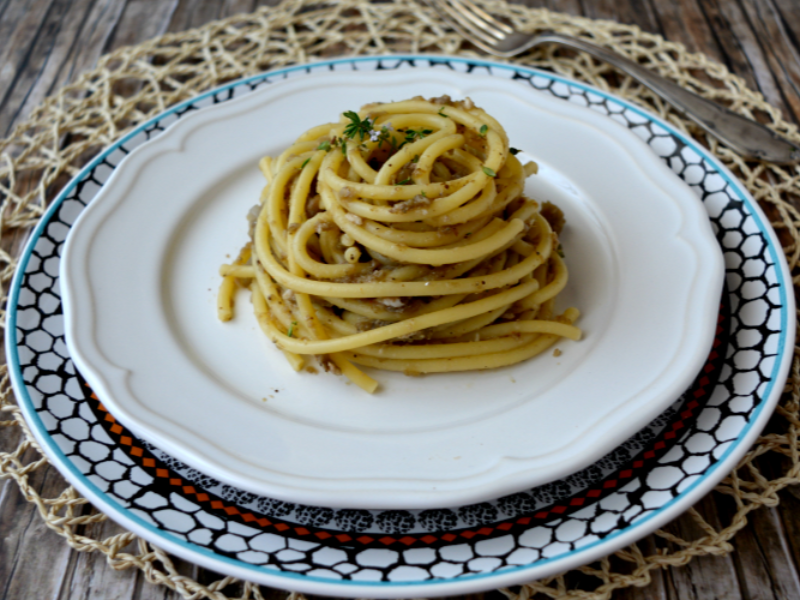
(400, 239)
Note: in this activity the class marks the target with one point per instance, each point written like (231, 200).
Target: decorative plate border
(714, 433)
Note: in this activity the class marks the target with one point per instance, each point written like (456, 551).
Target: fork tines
(470, 20)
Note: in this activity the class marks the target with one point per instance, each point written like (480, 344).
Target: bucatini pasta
(400, 239)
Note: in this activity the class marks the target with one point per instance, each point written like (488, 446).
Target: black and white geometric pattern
(755, 342)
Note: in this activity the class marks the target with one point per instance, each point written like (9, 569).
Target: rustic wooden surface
(47, 43)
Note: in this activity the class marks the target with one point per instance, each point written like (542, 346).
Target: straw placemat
(133, 84)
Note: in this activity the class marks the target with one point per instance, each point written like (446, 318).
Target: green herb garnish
(324, 146)
(305, 162)
(411, 134)
(441, 114)
(489, 172)
(382, 136)
(404, 182)
(415, 159)
(291, 329)
(560, 251)
(514, 151)
(357, 126)
(483, 130)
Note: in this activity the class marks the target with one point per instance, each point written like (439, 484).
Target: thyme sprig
(384, 135)
(356, 126)
(411, 134)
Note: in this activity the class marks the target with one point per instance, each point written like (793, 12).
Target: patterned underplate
(640, 485)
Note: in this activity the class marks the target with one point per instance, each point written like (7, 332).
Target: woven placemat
(133, 84)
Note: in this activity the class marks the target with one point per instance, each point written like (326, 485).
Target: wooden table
(47, 43)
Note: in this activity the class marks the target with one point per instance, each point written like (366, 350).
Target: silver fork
(748, 138)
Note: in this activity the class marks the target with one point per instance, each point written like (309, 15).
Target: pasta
(399, 238)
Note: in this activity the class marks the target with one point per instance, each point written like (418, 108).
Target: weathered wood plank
(259, 3)
(3, 6)
(91, 38)
(90, 576)
(194, 13)
(744, 53)
(51, 55)
(19, 23)
(21, 26)
(140, 21)
(657, 589)
(570, 7)
(787, 15)
(46, 58)
(683, 21)
(781, 56)
(763, 561)
(33, 556)
(788, 512)
(705, 577)
(235, 7)
(629, 12)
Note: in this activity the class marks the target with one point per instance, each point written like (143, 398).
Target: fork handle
(748, 138)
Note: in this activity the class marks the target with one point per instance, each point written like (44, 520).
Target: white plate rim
(397, 489)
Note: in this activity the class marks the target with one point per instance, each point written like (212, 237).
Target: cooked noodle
(400, 239)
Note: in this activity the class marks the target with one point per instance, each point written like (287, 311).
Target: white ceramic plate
(640, 485)
(140, 277)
